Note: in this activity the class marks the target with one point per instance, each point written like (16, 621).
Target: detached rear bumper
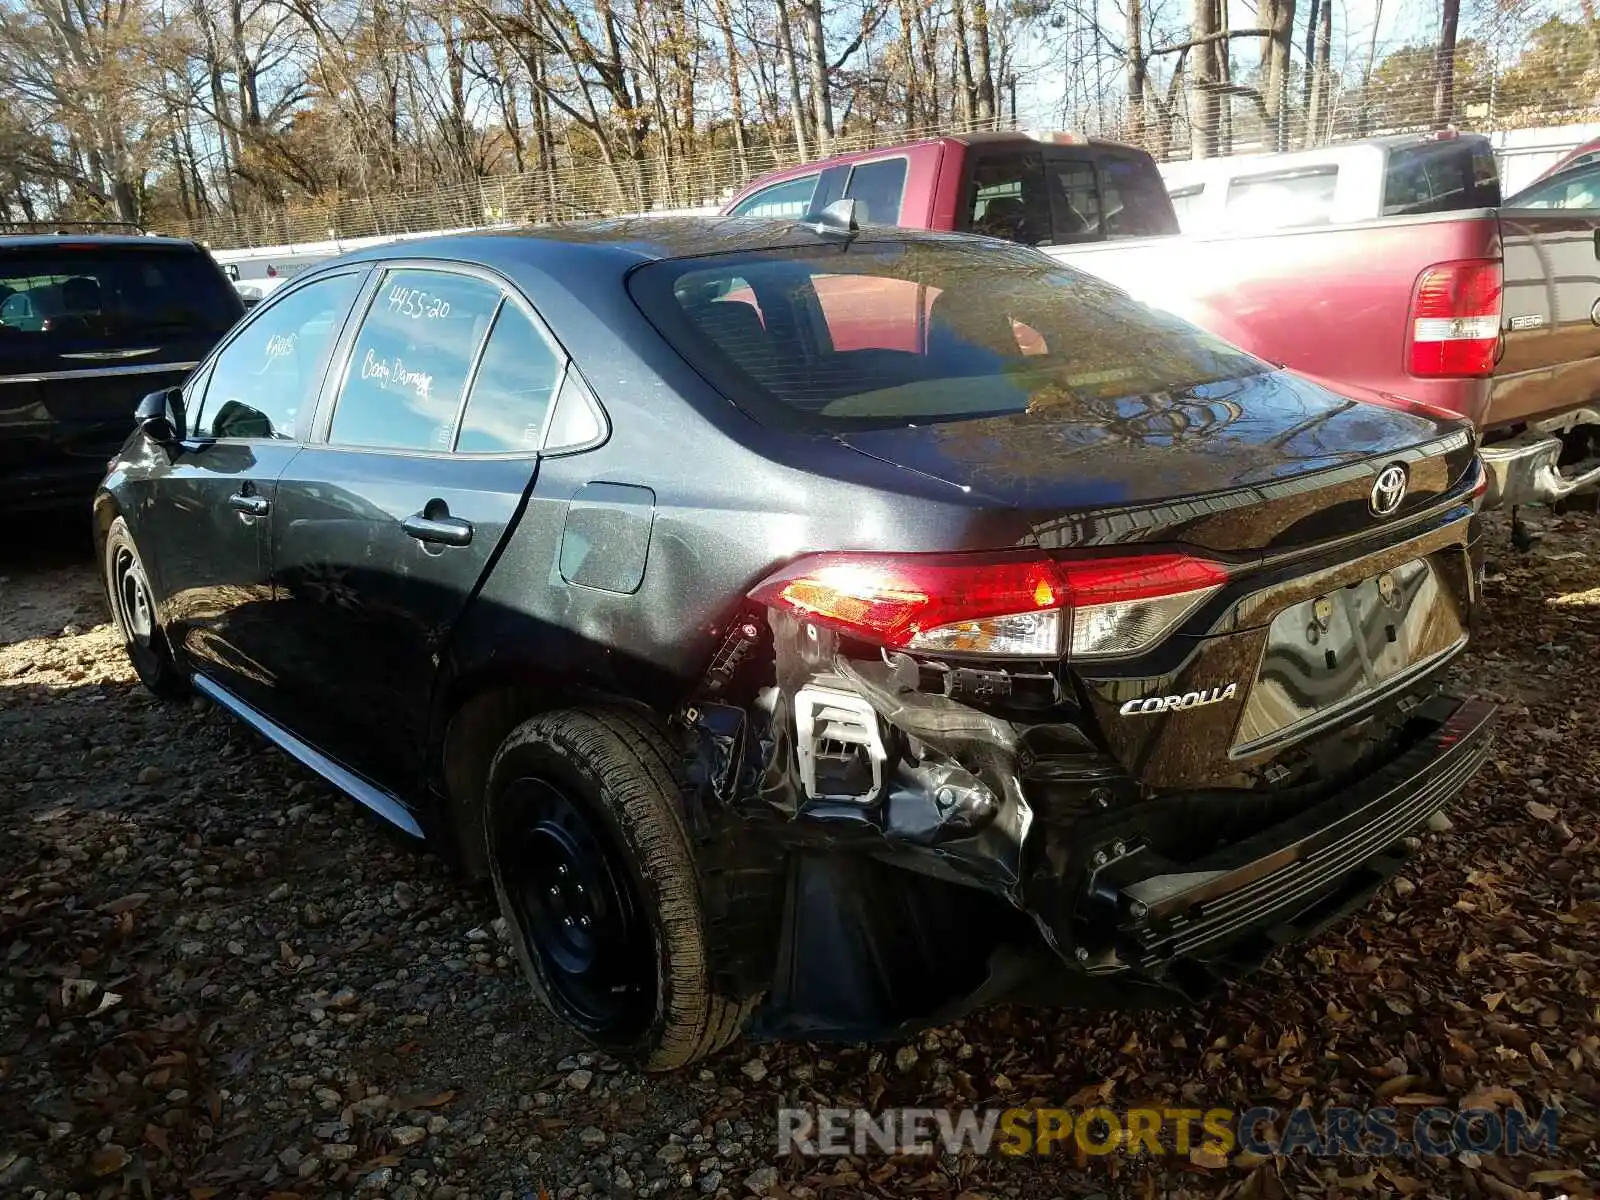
(1292, 878)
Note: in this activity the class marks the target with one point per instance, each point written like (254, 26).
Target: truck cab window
(878, 188)
(788, 199)
(1136, 203)
(1077, 203)
(1009, 199)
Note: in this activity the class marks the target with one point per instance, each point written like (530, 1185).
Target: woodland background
(250, 121)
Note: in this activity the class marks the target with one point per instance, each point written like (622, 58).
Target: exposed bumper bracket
(1525, 470)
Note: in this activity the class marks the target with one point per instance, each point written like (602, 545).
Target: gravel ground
(222, 980)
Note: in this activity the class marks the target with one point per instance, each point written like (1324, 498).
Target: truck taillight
(1455, 320)
(996, 604)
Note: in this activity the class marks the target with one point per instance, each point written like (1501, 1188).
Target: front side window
(878, 188)
(886, 333)
(264, 377)
(408, 366)
(1281, 199)
(789, 199)
(512, 388)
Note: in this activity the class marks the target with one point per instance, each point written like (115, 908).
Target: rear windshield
(882, 333)
(72, 293)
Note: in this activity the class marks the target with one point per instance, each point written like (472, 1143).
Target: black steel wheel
(578, 908)
(596, 878)
(133, 611)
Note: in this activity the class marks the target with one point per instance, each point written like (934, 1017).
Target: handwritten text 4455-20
(417, 304)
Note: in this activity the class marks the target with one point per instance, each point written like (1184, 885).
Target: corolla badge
(1161, 704)
(1388, 490)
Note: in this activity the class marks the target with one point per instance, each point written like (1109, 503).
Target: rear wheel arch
(472, 719)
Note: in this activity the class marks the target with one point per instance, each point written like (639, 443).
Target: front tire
(596, 878)
(133, 612)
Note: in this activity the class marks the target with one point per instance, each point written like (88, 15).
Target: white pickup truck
(1404, 175)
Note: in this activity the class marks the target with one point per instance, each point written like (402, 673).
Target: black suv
(90, 322)
(825, 628)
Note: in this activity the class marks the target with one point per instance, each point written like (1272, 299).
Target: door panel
(375, 556)
(383, 532)
(209, 509)
(210, 543)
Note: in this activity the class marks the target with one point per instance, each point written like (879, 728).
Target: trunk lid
(1265, 462)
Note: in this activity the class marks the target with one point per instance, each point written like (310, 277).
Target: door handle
(438, 531)
(250, 506)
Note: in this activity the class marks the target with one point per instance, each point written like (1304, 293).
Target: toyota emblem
(1388, 490)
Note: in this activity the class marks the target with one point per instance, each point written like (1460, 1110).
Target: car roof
(623, 242)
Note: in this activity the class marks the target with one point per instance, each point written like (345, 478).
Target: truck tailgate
(1551, 323)
(1331, 301)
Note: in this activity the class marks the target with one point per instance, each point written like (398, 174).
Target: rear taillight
(996, 604)
(1455, 320)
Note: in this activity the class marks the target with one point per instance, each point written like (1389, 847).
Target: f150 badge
(1161, 704)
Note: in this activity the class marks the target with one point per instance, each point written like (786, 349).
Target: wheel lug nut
(584, 921)
(567, 921)
(561, 870)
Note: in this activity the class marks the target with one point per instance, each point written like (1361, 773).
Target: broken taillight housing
(1017, 606)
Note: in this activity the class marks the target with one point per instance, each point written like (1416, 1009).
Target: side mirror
(160, 416)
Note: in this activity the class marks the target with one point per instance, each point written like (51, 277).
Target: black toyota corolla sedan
(810, 629)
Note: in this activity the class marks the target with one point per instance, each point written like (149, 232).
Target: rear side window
(408, 367)
(511, 391)
(1440, 177)
(892, 332)
(878, 188)
(1282, 198)
(89, 292)
(262, 379)
(789, 199)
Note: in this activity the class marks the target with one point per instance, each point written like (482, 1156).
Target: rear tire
(596, 878)
(133, 612)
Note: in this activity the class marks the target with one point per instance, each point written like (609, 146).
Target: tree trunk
(966, 87)
(1138, 68)
(1276, 82)
(817, 52)
(1222, 71)
(1444, 91)
(1203, 84)
(791, 63)
(908, 52)
(985, 68)
(735, 94)
(1322, 84)
(1308, 76)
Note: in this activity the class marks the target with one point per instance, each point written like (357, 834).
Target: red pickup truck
(1489, 312)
